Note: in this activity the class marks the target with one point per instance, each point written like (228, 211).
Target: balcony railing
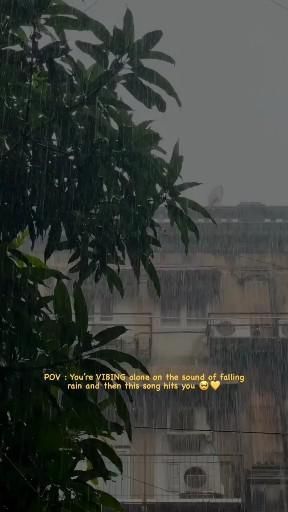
(241, 326)
(176, 478)
(160, 346)
(137, 341)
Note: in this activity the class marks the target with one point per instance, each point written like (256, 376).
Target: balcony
(243, 326)
(137, 341)
(267, 488)
(152, 342)
(197, 345)
(156, 479)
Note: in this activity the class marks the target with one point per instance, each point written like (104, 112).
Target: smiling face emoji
(203, 385)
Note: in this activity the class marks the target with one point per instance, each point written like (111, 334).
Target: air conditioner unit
(283, 328)
(197, 477)
(230, 328)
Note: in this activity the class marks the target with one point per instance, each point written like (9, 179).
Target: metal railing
(244, 326)
(176, 478)
(137, 341)
(146, 338)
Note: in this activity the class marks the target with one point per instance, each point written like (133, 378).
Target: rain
(143, 331)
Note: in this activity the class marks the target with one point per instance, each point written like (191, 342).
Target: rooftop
(242, 229)
(243, 212)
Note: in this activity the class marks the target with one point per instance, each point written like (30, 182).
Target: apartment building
(223, 309)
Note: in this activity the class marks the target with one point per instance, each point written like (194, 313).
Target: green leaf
(135, 261)
(128, 28)
(192, 205)
(143, 93)
(145, 124)
(121, 357)
(175, 155)
(85, 21)
(187, 185)
(108, 501)
(175, 164)
(45, 299)
(92, 445)
(123, 413)
(193, 228)
(96, 51)
(154, 241)
(60, 23)
(158, 56)
(61, 302)
(80, 307)
(117, 104)
(36, 262)
(19, 240)
(152, 273)
(53, 239)
(99, 30)
(114, 280)
(99, 471)
(19, 33)
(74, 256)
(101, 81)
(152, 76)
(146, 43)
(118, 42)
(182, 226)
(18, 257)
(177, 215)
(109, 334)
(39, 275)
(52, 437)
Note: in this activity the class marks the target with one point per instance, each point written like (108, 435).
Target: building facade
(223, 309)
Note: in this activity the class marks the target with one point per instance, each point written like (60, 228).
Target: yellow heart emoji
(215, 384)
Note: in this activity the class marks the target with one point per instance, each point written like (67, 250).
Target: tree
(47, 429)
(72, 159)
(73, 164)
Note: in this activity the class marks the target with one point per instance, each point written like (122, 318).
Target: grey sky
(232, 77)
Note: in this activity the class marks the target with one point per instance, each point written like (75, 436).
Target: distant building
(223, 308)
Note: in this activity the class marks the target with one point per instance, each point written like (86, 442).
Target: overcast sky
(232, 77)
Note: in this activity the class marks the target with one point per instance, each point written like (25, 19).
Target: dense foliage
(72, 159)
(46, 429)
(75, 166)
